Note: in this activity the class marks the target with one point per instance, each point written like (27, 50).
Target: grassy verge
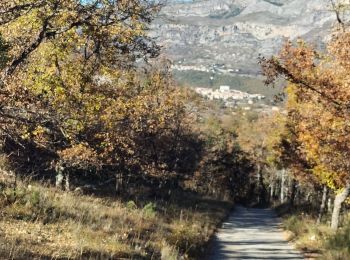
(41, 222)
(316, 241)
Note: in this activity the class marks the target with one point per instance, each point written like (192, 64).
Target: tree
(319, 95)
(258, 138)
(223, 169)
(73, 91)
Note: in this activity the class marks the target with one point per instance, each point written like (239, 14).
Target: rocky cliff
(229, 35)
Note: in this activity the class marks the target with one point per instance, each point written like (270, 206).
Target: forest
(104, 156)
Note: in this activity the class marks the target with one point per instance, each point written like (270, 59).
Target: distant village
(214, 68)
(229, 95)
(237, 99)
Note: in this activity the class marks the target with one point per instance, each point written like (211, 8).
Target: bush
(149, 210)
(34, 198)
(13, 195)
(131, 205)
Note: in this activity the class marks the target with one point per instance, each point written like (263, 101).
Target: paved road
(252, 234)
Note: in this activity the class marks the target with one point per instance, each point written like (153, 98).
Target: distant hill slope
(232, 33)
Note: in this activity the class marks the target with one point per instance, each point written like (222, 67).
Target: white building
(225, 88)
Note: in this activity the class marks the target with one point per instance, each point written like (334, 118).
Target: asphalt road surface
(252, 234)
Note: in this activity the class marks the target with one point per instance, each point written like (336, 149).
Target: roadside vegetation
(42, 223)
(316, 240)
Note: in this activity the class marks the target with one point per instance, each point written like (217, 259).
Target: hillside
(231, 34)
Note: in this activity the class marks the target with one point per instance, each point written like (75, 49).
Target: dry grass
(317, 241)
(42, 222)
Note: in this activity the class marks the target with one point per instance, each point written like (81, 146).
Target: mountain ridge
(232, 34)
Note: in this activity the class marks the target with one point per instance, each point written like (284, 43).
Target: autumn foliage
(74, 95)
(318, 109)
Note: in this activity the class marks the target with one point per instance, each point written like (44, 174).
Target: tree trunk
(329, 205)
(323, 204)
(261, 188)
(118, 183)
(259, 178)
(297, 196)
(338, 201)
(283, 173)
(59, 176)
(293, 188)
(67, 182)
(272, 191)
(307, 198)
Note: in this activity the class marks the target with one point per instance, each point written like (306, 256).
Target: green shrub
(149, 210)
(131, 205)
(13, 195)
(34, 198)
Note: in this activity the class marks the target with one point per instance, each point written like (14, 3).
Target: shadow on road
(252, 233)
